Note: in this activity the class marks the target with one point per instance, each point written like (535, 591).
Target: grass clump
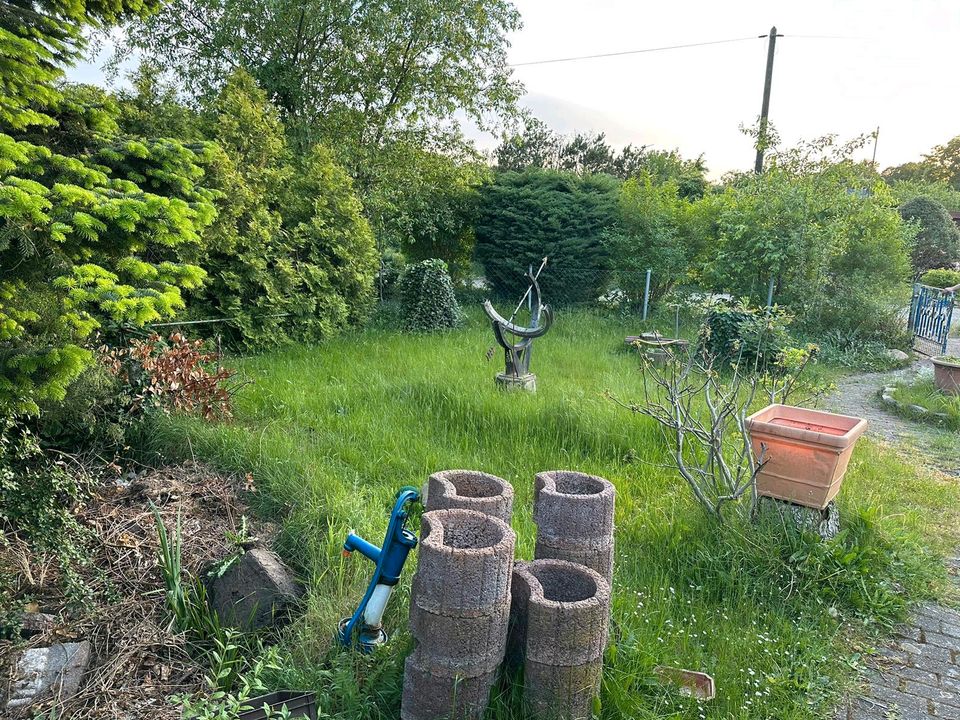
(937, 406)
(778, 617)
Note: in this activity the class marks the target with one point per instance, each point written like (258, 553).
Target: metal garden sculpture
(519, 348)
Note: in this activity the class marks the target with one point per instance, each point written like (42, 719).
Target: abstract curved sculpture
(517, 352)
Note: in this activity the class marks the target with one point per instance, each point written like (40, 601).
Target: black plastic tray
(300, 704)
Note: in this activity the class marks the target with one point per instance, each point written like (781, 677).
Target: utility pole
(765, 108)
(876, 138)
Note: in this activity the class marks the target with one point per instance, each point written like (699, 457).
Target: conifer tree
(90, 220)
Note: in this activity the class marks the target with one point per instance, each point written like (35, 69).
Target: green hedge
(427, 301)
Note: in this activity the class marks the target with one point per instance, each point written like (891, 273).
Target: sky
(842, 66)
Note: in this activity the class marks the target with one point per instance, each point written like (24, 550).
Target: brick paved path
(918, 676)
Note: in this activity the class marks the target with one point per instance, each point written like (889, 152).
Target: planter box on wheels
(806, 452)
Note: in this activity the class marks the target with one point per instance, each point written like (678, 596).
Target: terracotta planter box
(946, 374)
(807, 452)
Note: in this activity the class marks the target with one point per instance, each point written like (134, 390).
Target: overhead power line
(634, 52)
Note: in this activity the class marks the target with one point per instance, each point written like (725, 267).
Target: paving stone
(894, 701)
(921, 675)
(940, 640)
(911, 632)
(950, 629)
(943, 669)
(862, 709)
(925, 651)
(929, 692)
(946, 712)
(41, 673)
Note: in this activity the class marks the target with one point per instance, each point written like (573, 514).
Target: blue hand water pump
(366, 621)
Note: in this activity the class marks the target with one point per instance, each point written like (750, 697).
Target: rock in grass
(256, 592)
(897, 356)
(42, 673)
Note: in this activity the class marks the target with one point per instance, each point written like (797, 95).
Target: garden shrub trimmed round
(941, 278)
(427, 301)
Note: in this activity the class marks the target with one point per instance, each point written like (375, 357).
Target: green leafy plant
(736, 333)
(220, 704)
(38, 496)
(186, 600)
(825, 231)
(938, 240)
(941, 278)
(89, 218)
(648, 235)
(427, 300)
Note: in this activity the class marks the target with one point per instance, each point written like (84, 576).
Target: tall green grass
(780, 619)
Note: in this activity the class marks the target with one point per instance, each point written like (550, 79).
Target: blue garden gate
(931, 311)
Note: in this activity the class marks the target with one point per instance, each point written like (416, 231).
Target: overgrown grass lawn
(779, 619)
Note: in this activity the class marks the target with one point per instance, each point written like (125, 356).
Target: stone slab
(47, 672)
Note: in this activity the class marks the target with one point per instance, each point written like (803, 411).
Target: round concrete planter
(946, 374)
(470, 490)
(574, 516)
(465, 563)
(559, 620)
(428, 696)
(459, 614)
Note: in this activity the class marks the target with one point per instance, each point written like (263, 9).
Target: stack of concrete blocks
(574, 517)
(559, 622)
(459, 613)
(470, 490)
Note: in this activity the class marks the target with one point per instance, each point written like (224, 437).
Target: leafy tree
(89, 220)
(526, 216)
(537, 146)
(346, 70)
(830, 239)
(289, 255)
(906, 190)
(665, 166)
(426, 202)
(941, 164)
(648, 234)
(938, 241)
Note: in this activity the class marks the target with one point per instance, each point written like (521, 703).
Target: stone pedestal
(574, 517)
(526, 382)
(559, 620)
(459, 612)
(826, 522)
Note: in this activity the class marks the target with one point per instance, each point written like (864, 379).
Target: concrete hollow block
(470, 490)
(561, 692)
(562, 611)
(460, 646)
(599, 559)
(573, 508)
(465, 563)
(428, 696)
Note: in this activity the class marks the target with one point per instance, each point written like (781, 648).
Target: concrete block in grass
(470, 490)
(465, 563)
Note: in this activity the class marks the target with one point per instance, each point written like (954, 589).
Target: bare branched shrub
(702, 412)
